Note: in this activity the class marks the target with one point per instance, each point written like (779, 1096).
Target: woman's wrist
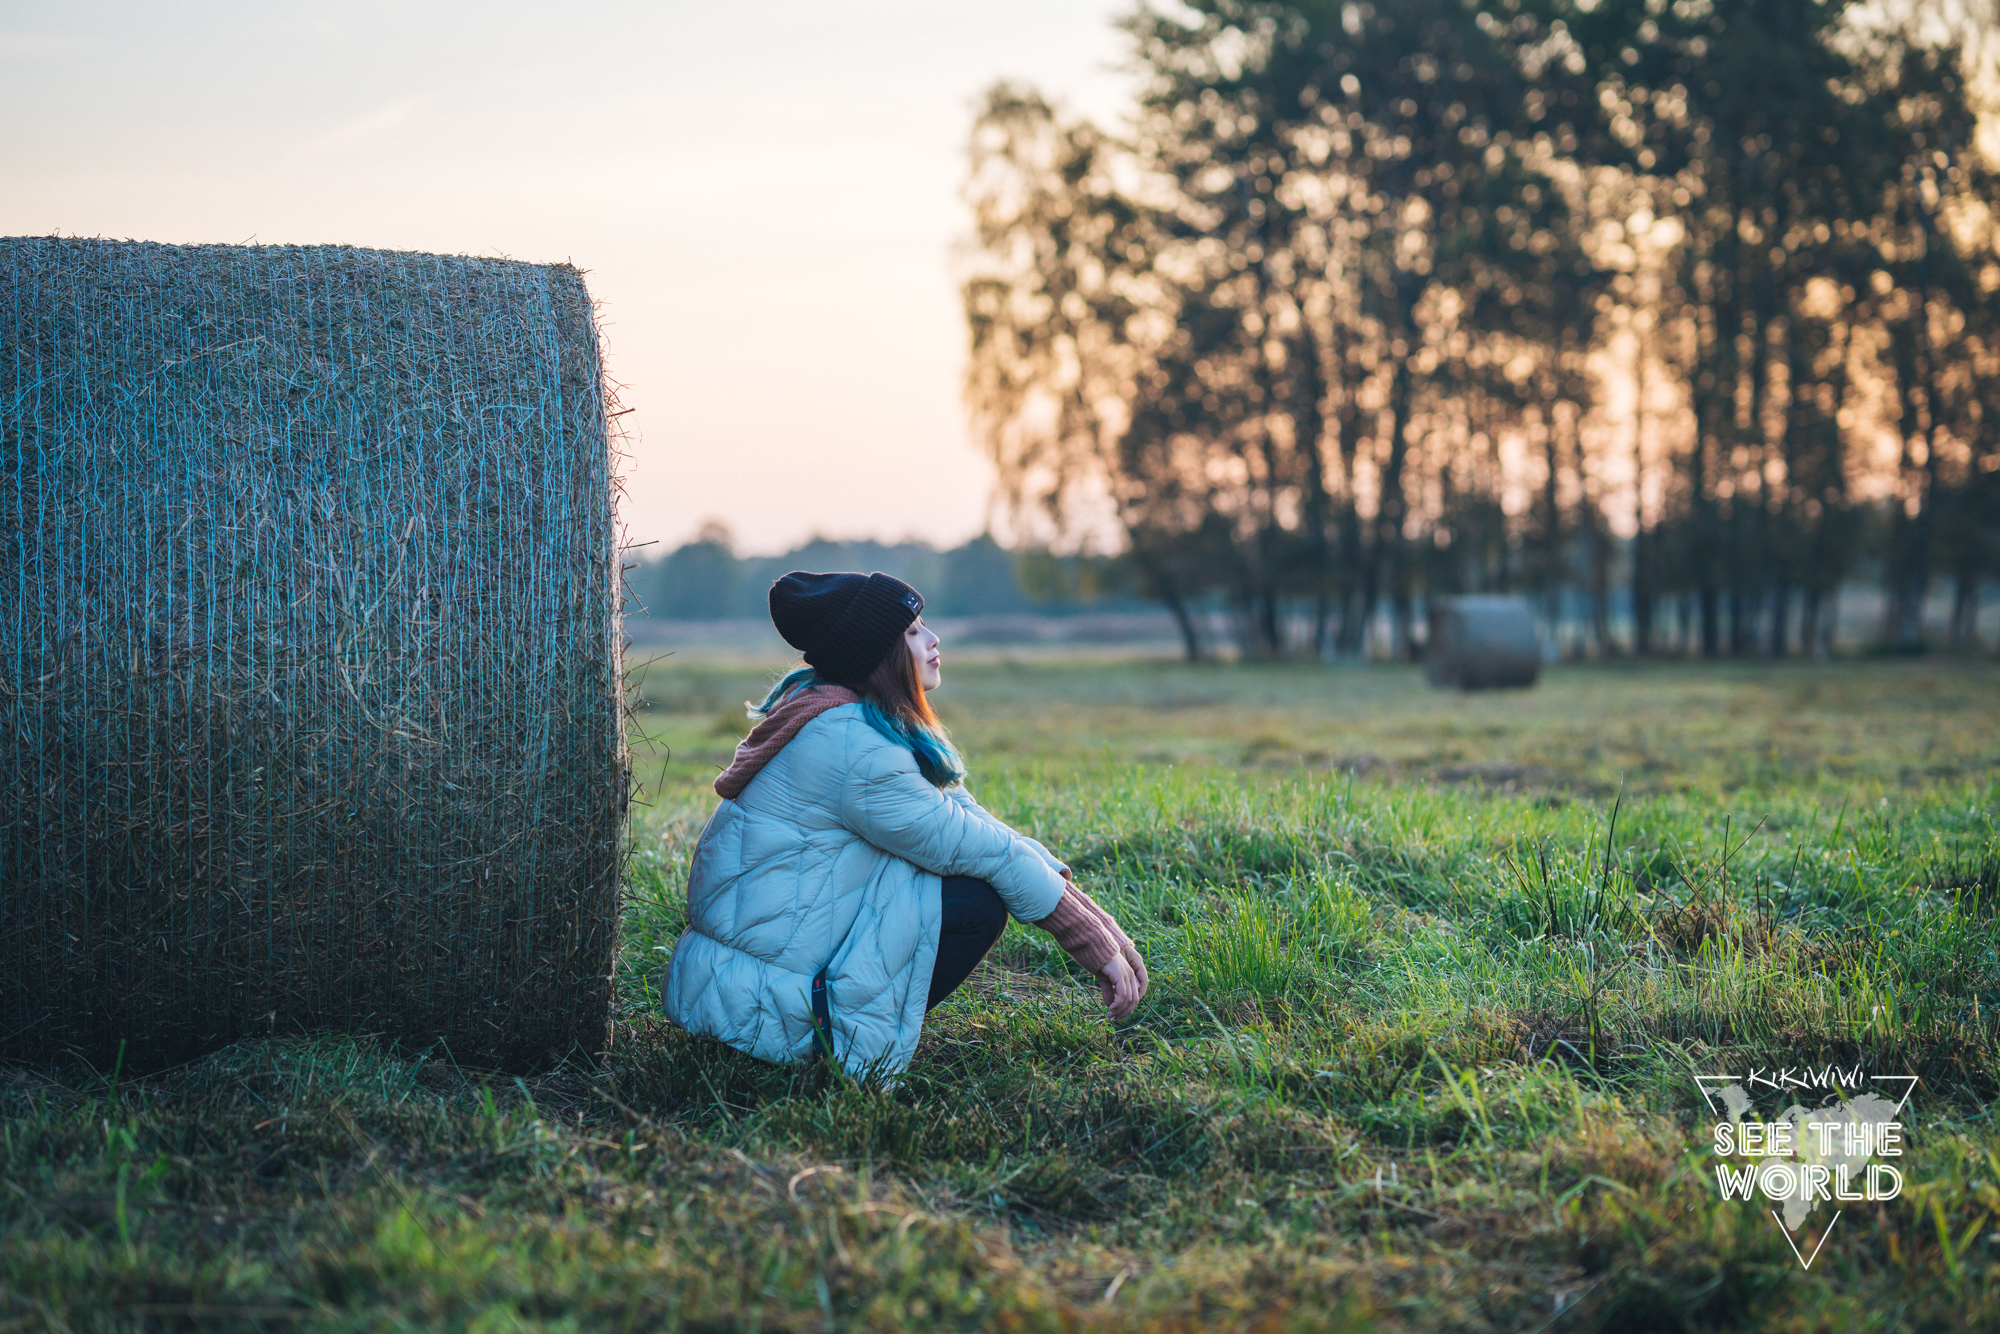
(1105, 919)
(1078, 927)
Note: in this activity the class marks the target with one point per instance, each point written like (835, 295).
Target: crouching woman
(848, 881)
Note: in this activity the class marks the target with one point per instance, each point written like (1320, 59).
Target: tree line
(705, 579)
(1688, 309)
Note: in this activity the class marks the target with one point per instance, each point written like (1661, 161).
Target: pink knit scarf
(770, 736)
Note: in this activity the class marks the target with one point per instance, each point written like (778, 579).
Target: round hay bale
(1482, 643)
(310, 704)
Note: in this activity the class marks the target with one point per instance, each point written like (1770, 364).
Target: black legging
(974, 917)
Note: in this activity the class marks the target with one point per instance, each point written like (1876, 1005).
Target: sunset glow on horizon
(766, 202)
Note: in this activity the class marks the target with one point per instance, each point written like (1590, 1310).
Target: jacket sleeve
(886, 801)
(967, 800)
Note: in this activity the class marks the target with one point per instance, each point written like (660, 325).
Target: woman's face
(923, 646)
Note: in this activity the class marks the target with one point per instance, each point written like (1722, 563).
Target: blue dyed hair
(937, 759)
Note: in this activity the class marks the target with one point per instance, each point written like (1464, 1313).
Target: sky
(765, 197)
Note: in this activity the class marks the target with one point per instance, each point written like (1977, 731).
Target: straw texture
(310, 709)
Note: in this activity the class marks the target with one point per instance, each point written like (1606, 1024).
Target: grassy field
(1417, 1053)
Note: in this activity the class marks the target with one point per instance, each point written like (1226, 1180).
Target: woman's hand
(1122, 986)
(1131, 956)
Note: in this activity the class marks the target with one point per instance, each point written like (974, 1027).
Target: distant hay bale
(310, 710)
(1482, 643)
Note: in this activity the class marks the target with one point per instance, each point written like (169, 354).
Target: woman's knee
(974, 907)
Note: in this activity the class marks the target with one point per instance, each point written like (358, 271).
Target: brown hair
(895, 689)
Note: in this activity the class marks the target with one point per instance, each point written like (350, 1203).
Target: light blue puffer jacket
(832, 857)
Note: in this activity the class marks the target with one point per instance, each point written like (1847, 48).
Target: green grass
(1416, 1054)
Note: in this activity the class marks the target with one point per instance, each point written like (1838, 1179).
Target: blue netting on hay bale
(310, 711)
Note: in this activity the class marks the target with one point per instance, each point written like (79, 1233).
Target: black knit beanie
(844, 623)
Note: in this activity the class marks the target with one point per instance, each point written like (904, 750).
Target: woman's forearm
(1078, 926)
